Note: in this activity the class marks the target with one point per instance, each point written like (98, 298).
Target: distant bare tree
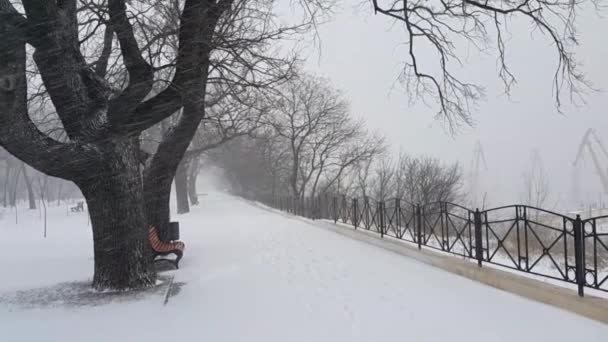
(385, 178)
(536, 188)
(323, 140)
(363, 178)
(424, 180)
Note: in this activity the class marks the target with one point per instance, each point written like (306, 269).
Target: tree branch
(18, 134)
(141, 74)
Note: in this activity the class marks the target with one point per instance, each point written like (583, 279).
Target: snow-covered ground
(252, 275)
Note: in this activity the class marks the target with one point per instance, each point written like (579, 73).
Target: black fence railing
(518, 237)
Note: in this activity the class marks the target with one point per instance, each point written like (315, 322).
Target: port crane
(592, 144)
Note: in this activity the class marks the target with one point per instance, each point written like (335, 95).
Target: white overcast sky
(361, 54)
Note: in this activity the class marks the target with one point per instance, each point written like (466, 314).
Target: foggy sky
(361, 53)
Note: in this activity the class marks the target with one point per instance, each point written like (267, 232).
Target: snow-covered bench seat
(163, 248)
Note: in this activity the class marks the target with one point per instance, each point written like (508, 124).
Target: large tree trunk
(157, 195)
(192, 176)
(115, 201)
(181, 188)
(30, 190)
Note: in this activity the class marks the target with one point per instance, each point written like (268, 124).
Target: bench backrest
(154, 239)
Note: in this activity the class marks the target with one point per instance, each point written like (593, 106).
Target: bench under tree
(79, 207)
(164, 248)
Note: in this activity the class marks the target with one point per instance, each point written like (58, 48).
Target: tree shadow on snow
(80, 294)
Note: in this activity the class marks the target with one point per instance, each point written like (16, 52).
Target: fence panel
(595, 252)
(531, 240)
(400, 220)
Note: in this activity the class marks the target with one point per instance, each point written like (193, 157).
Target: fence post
(419, 225)
(579, 254)
(381, 218)
(355, 214)
(478, 237)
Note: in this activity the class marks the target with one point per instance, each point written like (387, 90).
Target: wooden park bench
(79, 207)
(164, 248)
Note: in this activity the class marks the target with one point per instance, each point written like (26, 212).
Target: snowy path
(251, 275)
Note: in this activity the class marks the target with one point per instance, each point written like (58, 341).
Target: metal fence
(518, 237)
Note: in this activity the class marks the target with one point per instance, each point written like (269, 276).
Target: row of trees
(310, 145)
(305, 145)
(19, 182)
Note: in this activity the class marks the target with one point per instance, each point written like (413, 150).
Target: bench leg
(179, 257)
(175, 262)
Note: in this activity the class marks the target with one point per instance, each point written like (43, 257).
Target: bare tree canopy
(442, 26)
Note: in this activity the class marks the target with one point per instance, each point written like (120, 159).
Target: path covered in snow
(252, 275)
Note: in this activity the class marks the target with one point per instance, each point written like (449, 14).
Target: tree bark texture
(114, 197)
(160, 172)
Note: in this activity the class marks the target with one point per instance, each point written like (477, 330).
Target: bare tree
(423, 180)
(28, 183)
(101, 122)
(111, 70)
(536, 188)
(323, 140)
(384, 175)
(360, 147)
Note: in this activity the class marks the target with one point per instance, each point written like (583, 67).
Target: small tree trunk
(59, 192)
(157, 195)
(115, 201)
(30, 190)
(162, 168)
(181, 188)
(192, 176)
(15, 188)
(7, 176)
